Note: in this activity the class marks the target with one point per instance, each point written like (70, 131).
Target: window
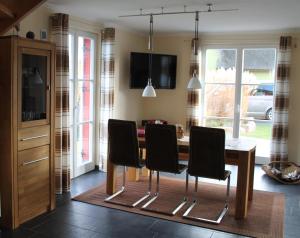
(238, 93)
(82, 101)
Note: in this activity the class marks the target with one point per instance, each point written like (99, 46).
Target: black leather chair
(162, 156)
(123, 150)
(206, 159)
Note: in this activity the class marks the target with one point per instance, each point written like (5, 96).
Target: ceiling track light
(162, 12)
(194, 82)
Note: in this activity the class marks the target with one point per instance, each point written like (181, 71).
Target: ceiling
(253, 15)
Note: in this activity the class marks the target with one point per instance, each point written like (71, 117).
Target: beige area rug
(265, 213)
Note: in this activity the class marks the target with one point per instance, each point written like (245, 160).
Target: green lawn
(263, 131)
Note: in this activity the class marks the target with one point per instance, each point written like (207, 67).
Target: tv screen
(163, 70)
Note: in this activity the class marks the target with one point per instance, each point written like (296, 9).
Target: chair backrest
(161, 148)
(207, 151)
(123, 143)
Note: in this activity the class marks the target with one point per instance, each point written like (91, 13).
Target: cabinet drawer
(33, 137)
(33, 182)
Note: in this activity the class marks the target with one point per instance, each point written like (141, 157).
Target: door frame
(238, 84)
(75, 170)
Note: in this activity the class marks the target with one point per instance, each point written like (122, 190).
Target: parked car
(260, 102)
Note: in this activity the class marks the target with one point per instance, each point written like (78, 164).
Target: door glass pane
(220, 66)
(257, 97)
(259, 66)
(219, 100)
(84, 143)
(85, 101)
(34, 87)
(219, 89)
(86, 49)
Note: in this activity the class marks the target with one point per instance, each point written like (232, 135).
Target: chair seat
(140, 164)
(226, 175)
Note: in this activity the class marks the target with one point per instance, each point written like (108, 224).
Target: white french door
(82, 79)
(237, 93)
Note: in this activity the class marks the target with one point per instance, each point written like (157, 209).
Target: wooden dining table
(239, 152)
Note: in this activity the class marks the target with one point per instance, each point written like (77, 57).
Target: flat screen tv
(163, 70)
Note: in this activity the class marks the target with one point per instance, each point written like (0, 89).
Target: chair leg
(121, 190)
(148, 193)
(228, 190)
(186, 184)
(109, 199)
(184, 201)
(177, 208)
(156, 193)
(222, 213)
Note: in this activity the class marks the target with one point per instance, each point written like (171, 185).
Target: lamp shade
(194, 83)
(149, 90)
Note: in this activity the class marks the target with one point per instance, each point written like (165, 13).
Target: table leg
(133, 174)
(111, 180)
(241, 203)
(251, 177)
(145, 172)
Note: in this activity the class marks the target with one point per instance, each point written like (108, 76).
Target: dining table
(238, 152)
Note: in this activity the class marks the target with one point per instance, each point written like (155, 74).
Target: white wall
(128, 103)
(169, 104)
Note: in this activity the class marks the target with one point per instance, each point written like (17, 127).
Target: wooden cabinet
(27, 104)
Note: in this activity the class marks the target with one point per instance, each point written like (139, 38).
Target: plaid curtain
(106, 89)
(59, 35)
(193, 99)
(279, 149)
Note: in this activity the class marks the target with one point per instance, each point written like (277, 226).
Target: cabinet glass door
(34, 88)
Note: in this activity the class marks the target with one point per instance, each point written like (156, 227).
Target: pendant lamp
(149, 90)
(194, 82)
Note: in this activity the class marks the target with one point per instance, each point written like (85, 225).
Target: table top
(240, 144)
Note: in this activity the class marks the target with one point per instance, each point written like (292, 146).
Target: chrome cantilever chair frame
(122, 190)
(222, 213)
(156, 194)
(123, 151)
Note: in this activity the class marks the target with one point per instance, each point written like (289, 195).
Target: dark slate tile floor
(74, 219)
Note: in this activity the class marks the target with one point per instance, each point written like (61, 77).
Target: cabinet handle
(34, 161)
(34, 137)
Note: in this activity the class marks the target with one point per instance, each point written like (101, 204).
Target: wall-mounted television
(163, 70)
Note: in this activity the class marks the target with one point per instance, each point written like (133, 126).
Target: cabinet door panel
(33, 137)
(34, 182)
